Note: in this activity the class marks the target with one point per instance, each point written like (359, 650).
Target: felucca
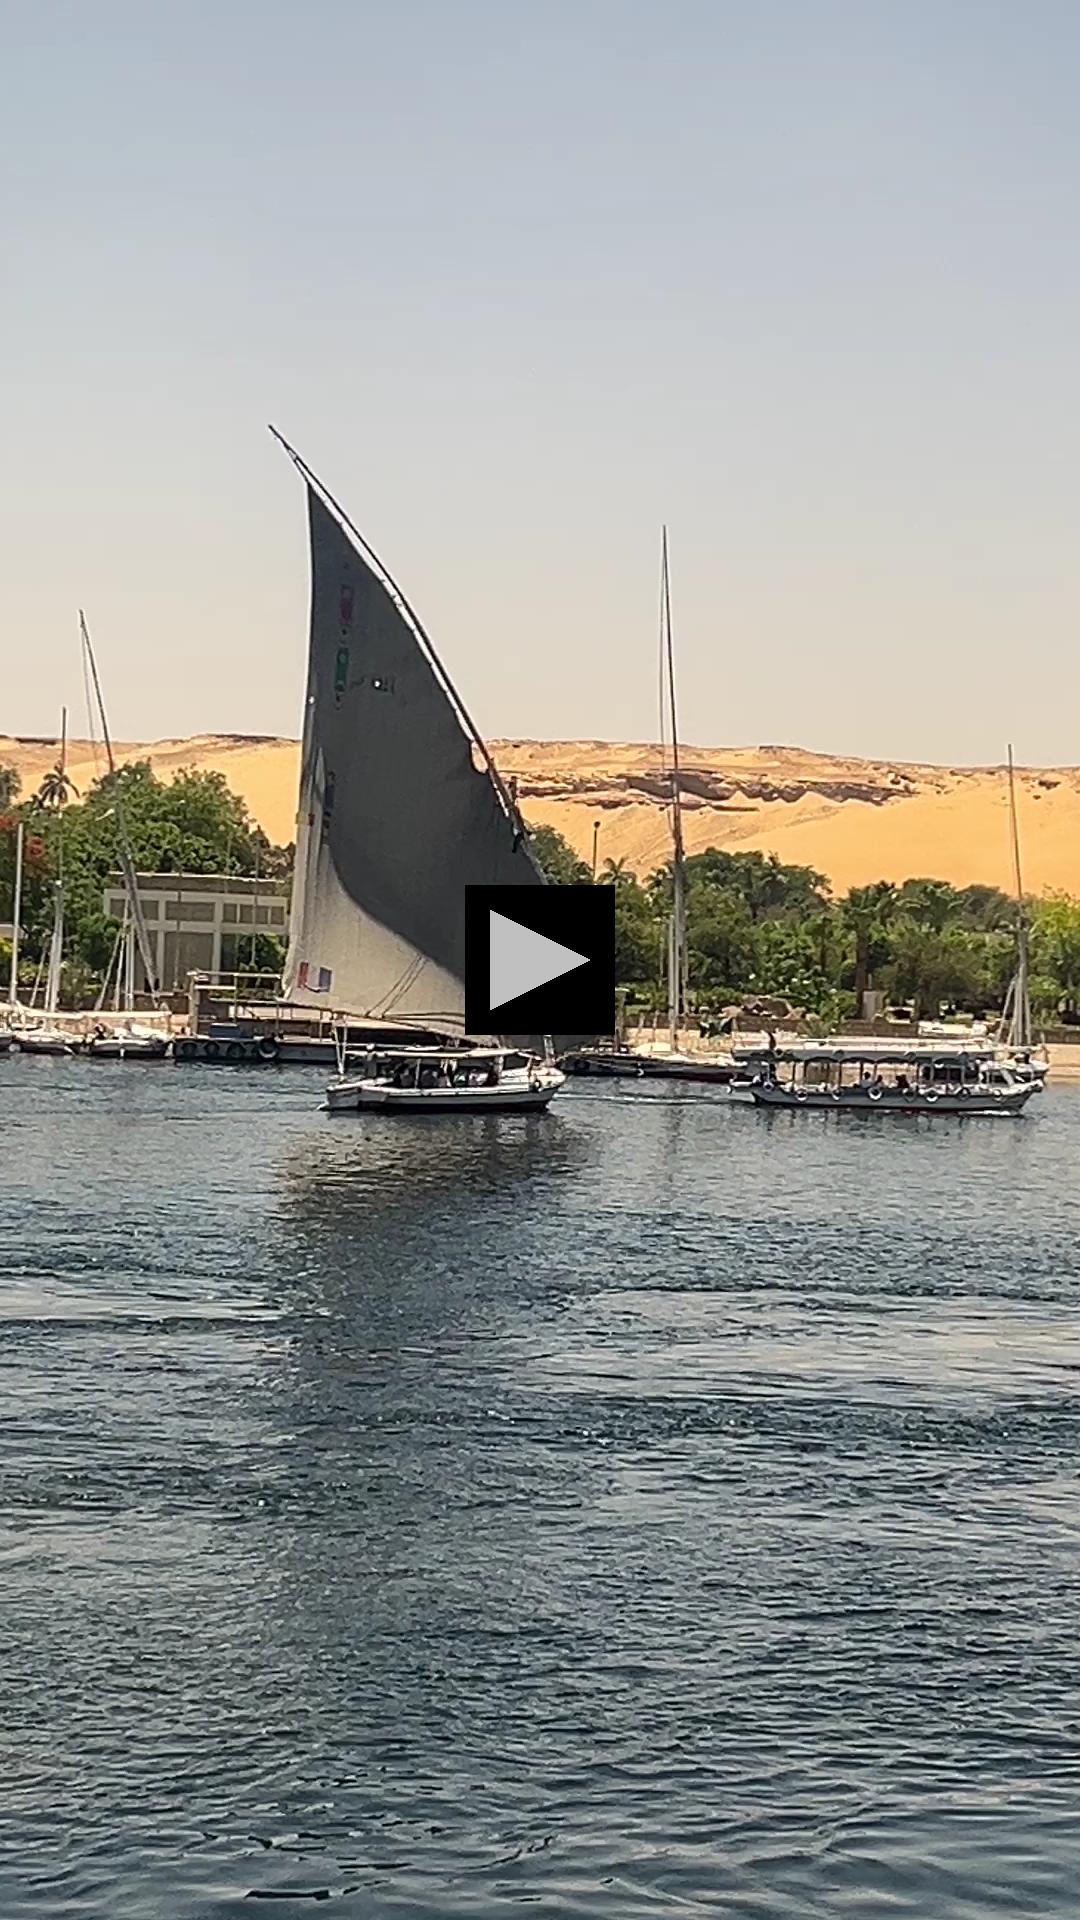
(401, 808)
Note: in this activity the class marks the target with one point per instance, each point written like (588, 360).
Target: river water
(651, 1508)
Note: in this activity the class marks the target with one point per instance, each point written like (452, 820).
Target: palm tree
(9, 787)
(613, 871)
(56, 789)
(867, 911)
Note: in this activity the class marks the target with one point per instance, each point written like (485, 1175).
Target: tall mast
(127, 864)
(56, 944)
(677, 934)
(16, 915)
(1019, 1002)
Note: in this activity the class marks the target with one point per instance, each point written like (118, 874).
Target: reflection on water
(649, 1507)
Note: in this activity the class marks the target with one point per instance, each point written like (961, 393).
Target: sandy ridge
(853, 819)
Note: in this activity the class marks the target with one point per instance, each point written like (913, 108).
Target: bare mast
(677, 931)
(1016, 1019)
(137, 920)
(56, 944)
(16, 916)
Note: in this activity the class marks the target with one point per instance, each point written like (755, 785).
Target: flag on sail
(395, 817)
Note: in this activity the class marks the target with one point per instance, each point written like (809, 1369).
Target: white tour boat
(861, 1077)
(434, 1080)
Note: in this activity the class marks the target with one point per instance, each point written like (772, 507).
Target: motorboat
(437, 1080)
(42, 1039)
(126, 1043)
(864, 1078)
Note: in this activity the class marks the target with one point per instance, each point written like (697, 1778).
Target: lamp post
(595, 846)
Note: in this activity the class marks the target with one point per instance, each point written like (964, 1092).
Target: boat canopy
(857, 1054)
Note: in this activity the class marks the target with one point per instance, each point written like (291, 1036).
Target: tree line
(757, 926)
(192, 824)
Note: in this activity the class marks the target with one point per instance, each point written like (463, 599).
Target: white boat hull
(51, 1043)
(890, 1100)
(129, 1047)
(376, 1096)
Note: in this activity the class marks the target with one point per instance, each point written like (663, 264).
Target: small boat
(401, 809)
(42, 1040)
(626, 1063)
(126, 1043)
(876, 1079)
(436, 1080)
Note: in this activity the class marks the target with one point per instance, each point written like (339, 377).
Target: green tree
(56, 790)
(193, 824)
(986, 909)
(639, 931)
(556, 858)
(95, 941)
(933, 965)
(722, 941)
(866, 912)
(1055, 948)
(928, 903)
(9, 786)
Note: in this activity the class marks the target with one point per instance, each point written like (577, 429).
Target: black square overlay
(581, 1003)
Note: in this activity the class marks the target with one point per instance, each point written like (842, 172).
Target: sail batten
(395, 818)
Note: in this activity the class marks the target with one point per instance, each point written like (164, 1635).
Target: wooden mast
(136, 916)
(677, 932)
(1019, 1003)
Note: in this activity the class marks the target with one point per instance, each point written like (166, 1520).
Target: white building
(202, 922)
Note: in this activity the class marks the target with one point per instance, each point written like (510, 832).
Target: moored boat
(43, 1039)
(868, 1079)
(125, 1043)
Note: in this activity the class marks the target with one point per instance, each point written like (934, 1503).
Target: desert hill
(854, 820)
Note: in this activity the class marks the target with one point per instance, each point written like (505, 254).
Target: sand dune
(854, 820)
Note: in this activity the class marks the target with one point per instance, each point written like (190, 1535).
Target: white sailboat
(48, 1036)
(7, 1037)
(669, 1062)
(125, 1038)
(1016, 1033)
(400, 809)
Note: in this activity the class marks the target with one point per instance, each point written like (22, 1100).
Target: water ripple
(654, 1509)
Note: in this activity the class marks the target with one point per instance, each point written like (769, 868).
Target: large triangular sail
(396, 816)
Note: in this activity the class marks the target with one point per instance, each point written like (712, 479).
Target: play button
(539, 960)
(520, 959)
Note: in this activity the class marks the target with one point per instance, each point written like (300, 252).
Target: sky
(521, 282)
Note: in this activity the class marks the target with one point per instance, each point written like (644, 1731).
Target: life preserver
(930, 1093)
(268, 1048)
(185, 1049)
(235, 1050)
(801, 1093)
(210, 1049)
(836, 1094)
(876, 1092)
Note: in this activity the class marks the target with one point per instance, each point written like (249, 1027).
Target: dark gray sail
(395, 819)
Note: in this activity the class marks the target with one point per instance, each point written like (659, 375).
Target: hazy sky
(520, 280)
